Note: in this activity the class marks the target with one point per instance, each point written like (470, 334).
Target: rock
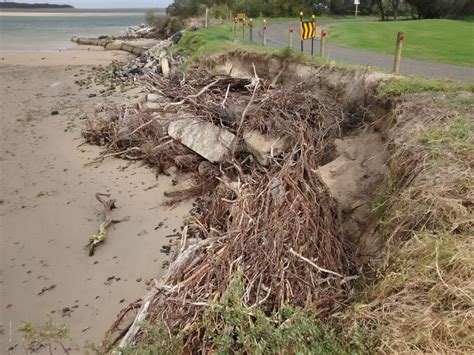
(176, 37)
(209, 141)
(264, 147)
(150, 106)
(154, 98)
(165, 67)
(54, 113)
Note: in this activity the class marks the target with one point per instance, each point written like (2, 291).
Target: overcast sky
(94, 4)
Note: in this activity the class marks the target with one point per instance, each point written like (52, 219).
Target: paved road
(277, 37)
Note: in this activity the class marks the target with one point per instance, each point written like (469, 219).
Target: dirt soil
(48, 210)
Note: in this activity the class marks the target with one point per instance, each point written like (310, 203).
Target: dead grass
(422, 298)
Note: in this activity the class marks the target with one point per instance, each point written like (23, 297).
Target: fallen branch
(99, 238)
(314, 265)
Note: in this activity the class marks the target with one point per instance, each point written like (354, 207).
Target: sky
(94, 4)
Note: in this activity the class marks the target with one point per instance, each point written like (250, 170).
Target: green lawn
(445, 41)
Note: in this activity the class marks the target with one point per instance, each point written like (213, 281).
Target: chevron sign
(308, 30)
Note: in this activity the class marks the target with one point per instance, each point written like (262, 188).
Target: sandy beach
(48, 209)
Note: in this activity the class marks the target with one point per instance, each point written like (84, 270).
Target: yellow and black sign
(240, 16)
(308, 29)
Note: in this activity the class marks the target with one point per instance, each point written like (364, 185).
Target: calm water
(43, 32)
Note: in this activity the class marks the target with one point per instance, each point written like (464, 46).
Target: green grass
(413, 85)
(445, 41)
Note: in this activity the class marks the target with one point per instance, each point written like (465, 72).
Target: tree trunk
(395, 5)
(381, 9)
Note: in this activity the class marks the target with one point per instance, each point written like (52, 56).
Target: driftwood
(101, 235)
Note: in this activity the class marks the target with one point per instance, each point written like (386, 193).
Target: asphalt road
(278, 35)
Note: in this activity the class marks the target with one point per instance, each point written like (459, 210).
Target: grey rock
(265, 147)
(209, 141)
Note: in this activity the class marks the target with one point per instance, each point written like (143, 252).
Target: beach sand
(48, 210)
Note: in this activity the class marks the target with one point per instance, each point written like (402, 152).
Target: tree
(381, 6)
(439, 8)
(395, 5)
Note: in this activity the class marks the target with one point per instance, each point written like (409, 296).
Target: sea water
(40, 31)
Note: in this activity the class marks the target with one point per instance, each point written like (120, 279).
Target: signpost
(240, 16)
(356, 3)
(308, 31)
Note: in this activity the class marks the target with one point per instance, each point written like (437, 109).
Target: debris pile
(252, 148)
(140, 31)
(155, 60)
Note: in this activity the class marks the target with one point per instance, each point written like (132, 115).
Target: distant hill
(20, 5)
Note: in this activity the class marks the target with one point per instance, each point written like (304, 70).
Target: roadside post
(233, 26)
(312, 38)
(356, 3)
(264, 33)
(206, 21)
(398, 52)
(322, 43)
(251, 30)
(290, 43)
(301, 30)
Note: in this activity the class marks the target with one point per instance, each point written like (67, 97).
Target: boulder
(265, 147)
(175, 38)
(150, 106)
(156, 98)
(207, 140)
(165, 67)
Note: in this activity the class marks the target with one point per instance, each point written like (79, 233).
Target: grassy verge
(445, 41)
(421, 300)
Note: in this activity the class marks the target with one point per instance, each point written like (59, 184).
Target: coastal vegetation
(21, 5)
(283, 8)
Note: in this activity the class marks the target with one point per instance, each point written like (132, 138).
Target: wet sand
(48, 209)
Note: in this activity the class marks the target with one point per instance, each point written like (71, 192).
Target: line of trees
(283, 8)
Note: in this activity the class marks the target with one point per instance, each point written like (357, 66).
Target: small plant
(231, 327)
(156, 340)
(45, 335)
(286, 52)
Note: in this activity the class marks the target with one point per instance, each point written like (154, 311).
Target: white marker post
(206, 21)
(356, 3)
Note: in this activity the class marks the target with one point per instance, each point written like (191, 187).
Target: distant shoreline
(68, 14)
(79, 10)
